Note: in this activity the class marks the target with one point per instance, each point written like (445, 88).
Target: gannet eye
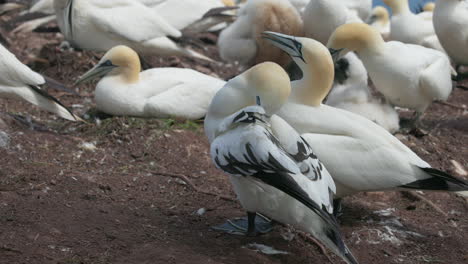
(107, 63)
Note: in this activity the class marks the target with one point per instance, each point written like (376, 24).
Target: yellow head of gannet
(271, 83)
(429, 7)
(354, 37)
(314, 60)
(398, 6)
(120, 60)
(379, 14)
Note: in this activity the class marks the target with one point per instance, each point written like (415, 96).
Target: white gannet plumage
(182, 13)
(451, 25)
(407, 75)
(20, 82)
(363, 8)
(157, 92)
(43, 6)
(359, 154)
(380, 20)
(408, 27)
(351, 92)
(241, 40)
(278, 176)
(322, 17)
(101, 25)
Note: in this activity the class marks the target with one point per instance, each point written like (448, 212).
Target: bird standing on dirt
(407, 75)
(157, 92)
(273, 170)
(19, 81)
(359, 154)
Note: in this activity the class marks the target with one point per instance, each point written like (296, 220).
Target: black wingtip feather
(50, 97)
(440, 181)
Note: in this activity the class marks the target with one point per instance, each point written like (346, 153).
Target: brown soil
(61, 202)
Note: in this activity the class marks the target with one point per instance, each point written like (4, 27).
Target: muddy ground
(131, 190)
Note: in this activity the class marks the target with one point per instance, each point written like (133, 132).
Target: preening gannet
(451, 25)
(272, 169)
(408, 27)
(407, 75)
(359, 154)
(241, 41)
(379, 19)
(101, 25)
(19, 81)
(350, 92)
(322, 17)
(158, 92)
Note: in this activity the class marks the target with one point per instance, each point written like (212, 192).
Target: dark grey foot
(240, 226)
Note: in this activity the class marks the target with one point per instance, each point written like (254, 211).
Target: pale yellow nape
(228, 2)
(381, 13)
(356, 37)
(127, 61)
(271, 82)
(397, 6)
(318, 74)
(429, 7)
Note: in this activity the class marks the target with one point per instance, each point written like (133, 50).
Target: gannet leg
(249, 226)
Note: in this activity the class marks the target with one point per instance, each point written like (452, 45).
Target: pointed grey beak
(335, 53)
(371, 19)
(99, 70)
(287, 43)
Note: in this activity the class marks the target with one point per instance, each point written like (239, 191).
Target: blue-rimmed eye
(107, 63)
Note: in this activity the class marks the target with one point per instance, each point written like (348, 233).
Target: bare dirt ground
(112, 191)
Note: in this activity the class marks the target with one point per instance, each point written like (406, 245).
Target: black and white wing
(304, 157)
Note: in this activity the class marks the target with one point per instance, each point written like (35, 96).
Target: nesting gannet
(451, 25)
(275, 172)
(241, 41)
(101, 25)
(350, 92)
(408, 27)
(362, 8)
(19, 81)
(379, 19)
(158, 92)
(322, 17)
(359, 154)
(407, 75)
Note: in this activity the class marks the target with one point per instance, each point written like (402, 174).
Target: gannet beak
(287, 43)
(335, 53)
(371, 19)
(99, 70)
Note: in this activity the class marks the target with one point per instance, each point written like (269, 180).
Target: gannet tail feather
(440, 181)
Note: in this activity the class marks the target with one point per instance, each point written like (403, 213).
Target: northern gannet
(407, 75)
(429, 7)
(322, 17)
(42, 6)
(158, 92)
(20, 82)
(379, 19)
(101, 25)
(275, 172)
(451, 25)
(351, 92)
(408, 27)
(241, 41)
(359, 154)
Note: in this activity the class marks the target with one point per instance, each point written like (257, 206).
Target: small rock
(4, 139)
